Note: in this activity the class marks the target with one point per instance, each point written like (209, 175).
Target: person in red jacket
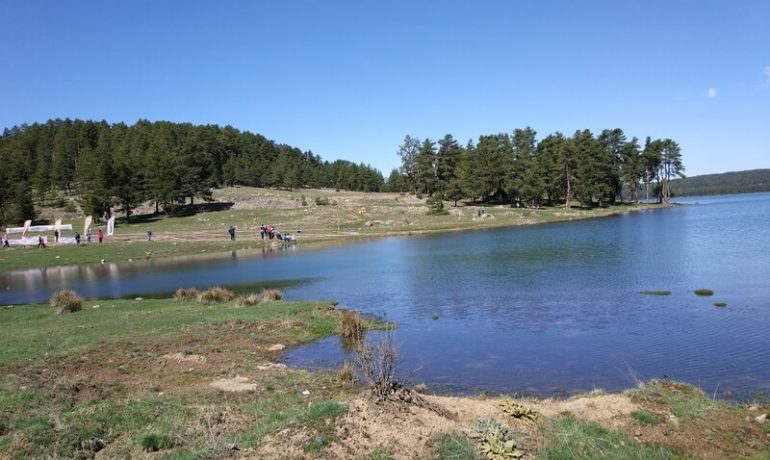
(100, 235)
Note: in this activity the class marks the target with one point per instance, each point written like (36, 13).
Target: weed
(378, 454)
(684, 400)
(156, 442)
(645, 417)
(183, 294)
(378, 364)
(704, 292)
(66, 301)
(271, 295)
(351, 326)
(655, 292)
(347, 373)
(568, 437)
(324, 410)
(316, 444)
(216, 294)
(512, 408)
(452, 445)
(247, 300)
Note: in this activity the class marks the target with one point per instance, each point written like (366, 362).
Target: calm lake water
(550, 309)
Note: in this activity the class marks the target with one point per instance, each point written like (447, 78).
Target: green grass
(703, 292)
(655, 292)
(453, 446)
(569, 438)
(31, 331)
(645, 417)
(684, 400)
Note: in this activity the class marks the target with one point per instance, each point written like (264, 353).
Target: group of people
(271, 233)
(42, 242)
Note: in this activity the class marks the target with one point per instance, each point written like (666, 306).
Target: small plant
(351, 326)
(247, 300)
(720, 304)
(514, 409)
(271, 295)
(435, 204)
(645, 417)
(495, 440)
(156, 442)
(704, 292)
(66, 301)
(346, 373)
(183, 294)
(655, 292)
(216, 294)
(321, 201)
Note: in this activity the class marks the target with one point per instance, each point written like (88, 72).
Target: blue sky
(350, 79)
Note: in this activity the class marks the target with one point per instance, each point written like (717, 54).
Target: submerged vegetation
(655, 292)
(704, 292)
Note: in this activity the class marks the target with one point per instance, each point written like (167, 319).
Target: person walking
(231, 231)
(149, 234)
(77, 238)
(100, 235)
(88, 236)
(56, 235)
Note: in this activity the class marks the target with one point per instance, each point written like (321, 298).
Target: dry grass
(216, 294)
(351, 326)
(66, 301)
(247, 300)
(271, 295)
(183, 294)
(347, 373)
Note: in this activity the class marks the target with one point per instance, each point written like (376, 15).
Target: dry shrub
(271, 295)
(351, 326)
(377, 363)
(183, 294)
(216, 294)
(347, 373)
(66, 301)
(247, 300)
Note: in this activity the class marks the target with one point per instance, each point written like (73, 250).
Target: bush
(321, 201)
(216, 294)
(351, 326)
(378, 364)
(183, 294)
(271, 295)
(247, 300)
(66, 301)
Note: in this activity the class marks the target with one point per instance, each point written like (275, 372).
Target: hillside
(755, 180)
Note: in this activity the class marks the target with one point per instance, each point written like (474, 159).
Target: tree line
(517, 168)
(116, 165)
(751, 181)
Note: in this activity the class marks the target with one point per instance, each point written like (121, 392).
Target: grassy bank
(346, 216)
(187, 380)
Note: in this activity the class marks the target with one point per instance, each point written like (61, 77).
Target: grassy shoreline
(156, 378)
(351, 217)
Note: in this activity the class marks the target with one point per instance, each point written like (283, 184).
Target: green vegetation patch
(452, 445)
(645, 417)
(655, 292)
(720, 304)
(684, 400)
(704, 292)
(567, 437)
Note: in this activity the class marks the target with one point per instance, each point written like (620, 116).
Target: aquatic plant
(704, 292)
(655, 292)
(66, 301)
(720, 304)
(351, 326)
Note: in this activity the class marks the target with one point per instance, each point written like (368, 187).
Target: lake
(546, 310)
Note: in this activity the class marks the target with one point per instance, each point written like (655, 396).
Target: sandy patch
(610, 410)
(183, 358)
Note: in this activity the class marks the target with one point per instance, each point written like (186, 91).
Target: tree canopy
(116, 166)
